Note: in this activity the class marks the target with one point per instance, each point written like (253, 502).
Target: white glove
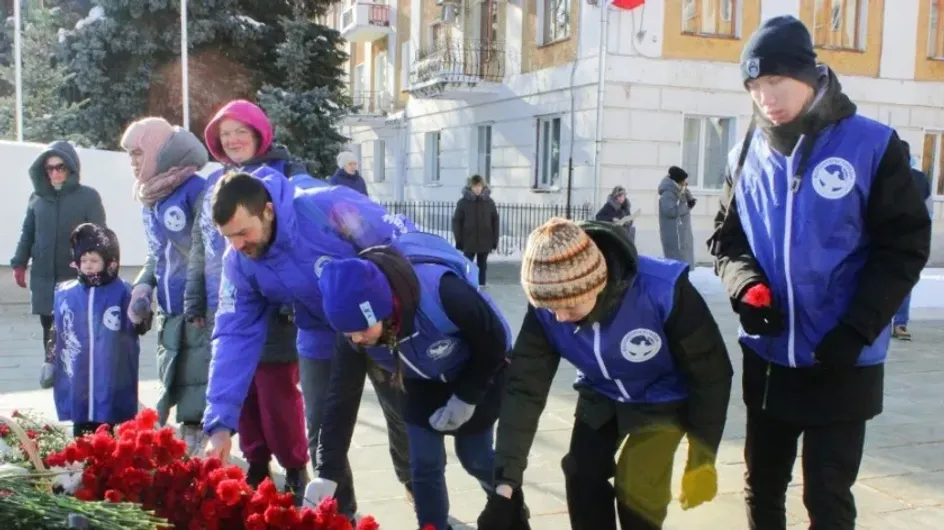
(318, 490)
(451, 416)
(140, 306)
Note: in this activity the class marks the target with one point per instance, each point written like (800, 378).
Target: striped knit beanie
(562, 267)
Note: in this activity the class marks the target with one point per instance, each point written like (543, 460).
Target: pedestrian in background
(347, 173)
(58, 204)
(900, 320)
(675, 217)
(475, 224)
(618, 209)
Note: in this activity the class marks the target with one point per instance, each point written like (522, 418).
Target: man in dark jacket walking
(923, 183)
(475, 224)
(59, 203)
(820, 236)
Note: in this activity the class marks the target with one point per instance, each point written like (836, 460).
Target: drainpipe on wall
(573, 104)
(601, 84)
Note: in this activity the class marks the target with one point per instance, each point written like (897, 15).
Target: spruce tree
(310, 101)
(47, 114)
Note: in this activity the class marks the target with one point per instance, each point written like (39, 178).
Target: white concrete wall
(107, 171)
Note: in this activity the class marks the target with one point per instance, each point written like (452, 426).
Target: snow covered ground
(928, 294)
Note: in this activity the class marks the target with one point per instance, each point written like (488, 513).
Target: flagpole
(18, 60)
(601, 89)
(184, 66)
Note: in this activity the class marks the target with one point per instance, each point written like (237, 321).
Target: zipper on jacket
(599, 356)
(91, 355)
(763, 404)
(787, 247)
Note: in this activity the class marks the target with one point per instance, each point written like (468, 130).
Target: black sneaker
(258, 472)
(295, 482)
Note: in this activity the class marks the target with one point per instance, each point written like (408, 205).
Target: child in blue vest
(443, 343)
(652, 368)
(95, 375)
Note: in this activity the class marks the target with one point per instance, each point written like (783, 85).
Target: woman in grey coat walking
(675, 217)
(59, 203)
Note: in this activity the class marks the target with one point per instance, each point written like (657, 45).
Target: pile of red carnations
(141, 465)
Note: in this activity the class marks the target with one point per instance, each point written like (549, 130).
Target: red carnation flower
(112, 496)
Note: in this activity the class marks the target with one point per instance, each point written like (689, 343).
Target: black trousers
(46, 322)
(481, 261)
(81, 429)
(831, 457)
(643, 485)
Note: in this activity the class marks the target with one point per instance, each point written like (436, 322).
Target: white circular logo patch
(320, 265)
(753, 68)
(112, 318)
(640, 345)
(833, 178)
(174, 219)
(441, 349)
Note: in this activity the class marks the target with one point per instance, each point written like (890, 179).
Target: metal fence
(516, 220)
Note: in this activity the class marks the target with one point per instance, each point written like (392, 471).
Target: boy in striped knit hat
(652, 366)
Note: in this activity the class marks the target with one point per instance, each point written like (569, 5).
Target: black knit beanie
(781, 46)
(677, 174)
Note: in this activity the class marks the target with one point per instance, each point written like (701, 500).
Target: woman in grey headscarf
(617, 210)
(59, 203)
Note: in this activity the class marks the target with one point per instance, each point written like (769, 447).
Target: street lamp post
(184, 67)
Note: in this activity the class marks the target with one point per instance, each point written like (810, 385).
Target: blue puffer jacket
(167, 225)
(810, 237)
(97, 353)
(313, 226)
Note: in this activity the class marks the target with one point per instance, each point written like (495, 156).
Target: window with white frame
(717, 18)
(932, 160)
(381, 102)
(483, 147)
(361, 97)
(840, 24)
(705, 146)
(405, 60)
(936, 30)
(553, 21)
(380, 160)
(433, 156)
(547, 168)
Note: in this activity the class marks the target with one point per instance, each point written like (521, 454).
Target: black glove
(760, 314)
(691, 203)
(840, 348)
(502, 513)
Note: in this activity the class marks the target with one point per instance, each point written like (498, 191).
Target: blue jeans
(901, 316)
(428, 469)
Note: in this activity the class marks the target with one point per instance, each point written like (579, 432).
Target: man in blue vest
(280, 237)
(820, 236)
(652, 369)
(923, 183)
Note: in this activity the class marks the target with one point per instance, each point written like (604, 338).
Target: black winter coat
(475, 224)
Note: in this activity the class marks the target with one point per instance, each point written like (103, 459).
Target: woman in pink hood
(272, 420)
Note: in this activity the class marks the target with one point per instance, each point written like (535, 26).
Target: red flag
(628, 4)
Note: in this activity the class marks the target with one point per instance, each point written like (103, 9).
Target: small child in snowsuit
(93, 360)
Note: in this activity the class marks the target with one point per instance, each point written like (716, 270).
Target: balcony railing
(365, 13)
(459, 63)
(367, 102)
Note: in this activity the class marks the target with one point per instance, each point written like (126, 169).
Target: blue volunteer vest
(809, 235)
(434, 350)
(168, 224)
(626, 357)
(97, 353)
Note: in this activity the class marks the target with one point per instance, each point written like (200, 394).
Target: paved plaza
(901, 485)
